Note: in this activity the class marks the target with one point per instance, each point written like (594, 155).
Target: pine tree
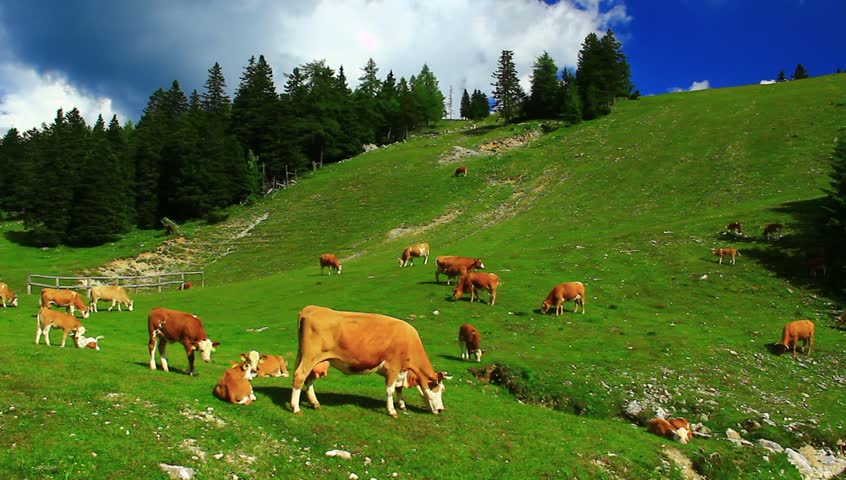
(603, 74)
(781, 77)
(571, 104)
(464, 110)
(118, 140)
(836, 207)
(365, 99)
(255, 115)
(428, 96)
(12, 158)
(147, 153)
(508, 94)
(543, 101)
(409, 116)
(214, 98)
(479, 106)
(389, 108)
(799, 73)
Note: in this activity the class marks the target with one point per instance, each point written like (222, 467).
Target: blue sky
(108, 57)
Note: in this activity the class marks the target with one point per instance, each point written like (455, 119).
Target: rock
(339, 453)
(177, 472)
(770, 445)
(633, 409)
(800, 462)
(733, 435)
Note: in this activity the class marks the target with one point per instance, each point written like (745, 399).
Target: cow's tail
(299, 339)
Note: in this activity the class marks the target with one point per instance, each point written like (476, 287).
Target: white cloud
(703, 85)
(29, 98)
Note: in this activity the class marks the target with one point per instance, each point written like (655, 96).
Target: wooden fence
(133, 282)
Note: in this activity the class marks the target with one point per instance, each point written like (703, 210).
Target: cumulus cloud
(703, 85)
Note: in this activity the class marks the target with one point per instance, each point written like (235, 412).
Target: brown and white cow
(6, 295)
(771, 230)
(726, 252)
(272, 366)
(47, 319)
(735, 228)
(564, 292)
(793, 332)
(461, 171)
(455, 266)
(166, 325)
(234, 386)
(469, 342)
(416, 250)
(331, 261)
(113, 293)
(676, 429)
(473, 281)
(69, 299)
(358, 343)
(82, 341)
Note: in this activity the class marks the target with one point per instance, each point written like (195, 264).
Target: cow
(793, 332)
(272, 366)
(82, 341)
(735, 228)
(234, 386)
(331, 261)
(69, 299)
(186, 286)
(358, 343)
(818, 263)
(461, 171)
(455, 266)
(114, 293)
(477, 280)
(416, 250)
(723, 252)
(469, 342)
(771, 230)
(676, 429)
(48, 318)
(166, 325)
(564, 292)
(6, 295)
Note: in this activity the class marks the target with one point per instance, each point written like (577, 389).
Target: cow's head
(681, 435)
(478, 352)
(205, 347)
(14, 302)
(434, 393)
(249, 364)
(545, 306)
(478, 264)
(131, 305)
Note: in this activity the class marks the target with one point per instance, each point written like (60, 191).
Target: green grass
(630, 204)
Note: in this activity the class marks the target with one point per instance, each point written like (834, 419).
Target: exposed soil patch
(457, 154)
(504, 144)
(684, 463)
(420, 229)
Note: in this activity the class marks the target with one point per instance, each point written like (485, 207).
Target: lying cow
(6, 295)
(735, 228)
(166, 325)
(676, 429)
(771, 230)
(234, 386)
(455, 266)
(469, 342)
(331, 261)
(69, 299)
(275, 366)
(82, 341)
(416, 250)
(109, 293)
(472, 281)
(564, 292)
(357, 343)
(47, 319)
(793, 332)
(726, 252)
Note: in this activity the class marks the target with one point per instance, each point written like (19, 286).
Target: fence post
(29, 284)
(159, 281)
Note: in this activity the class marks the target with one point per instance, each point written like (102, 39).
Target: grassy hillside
(630, 204)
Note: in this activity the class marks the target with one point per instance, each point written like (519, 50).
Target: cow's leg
(38, 332)
(113, 305)
(401, 376)
(151, 346)
(93, 306)
(493, 296)
(162, 347)
(426, 260)
(302, 378)
(191, 370)
(390, 388)
(64, 337)
(47, 334)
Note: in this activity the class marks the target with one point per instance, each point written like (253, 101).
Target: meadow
(630, 204)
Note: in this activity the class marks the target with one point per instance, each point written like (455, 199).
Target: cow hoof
(394, 414)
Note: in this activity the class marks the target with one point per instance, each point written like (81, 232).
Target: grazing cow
(86, 342)
(416, 250)
(166, 325)
(469, 342)
(461, 171)
(186, 285)
(455, 266)
(472, 280)
(771, 230)
(735, 228)
(114, 293)
(47, 319)
(722, 252)
(818, 263)
(234, 386)
(357, 343)
(795, 331)
(69, 299)
(6, 295)
(676, 429)
(564, 292)
(331, 261)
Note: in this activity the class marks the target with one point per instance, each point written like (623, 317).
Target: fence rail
(133, 281)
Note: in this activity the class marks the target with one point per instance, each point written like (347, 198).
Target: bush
(216, 216)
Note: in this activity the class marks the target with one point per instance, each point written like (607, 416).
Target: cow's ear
(243, 357)
(215, 344)
(193, 346)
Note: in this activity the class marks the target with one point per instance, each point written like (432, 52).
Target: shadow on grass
(25, 238)
(479, 131)
(281, 396)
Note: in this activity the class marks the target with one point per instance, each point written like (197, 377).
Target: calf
(469, 342)
(272, 366)
(165, 325)
(455, 266)
(723, 252)
(69, 299)
(676, 429)
(461, 171)
(771, 230)
(234, 386)
(86, 342)
(6, 295)
(186, 286)
(331, 261)
(47, 319)
(473, 280)
(114, 293)
(735, 228)
(564, 292)
(799, 330)
(416, 250)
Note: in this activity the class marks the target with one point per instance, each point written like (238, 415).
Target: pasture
(632, 205)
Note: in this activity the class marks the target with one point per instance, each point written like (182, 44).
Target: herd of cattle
(352, 342)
